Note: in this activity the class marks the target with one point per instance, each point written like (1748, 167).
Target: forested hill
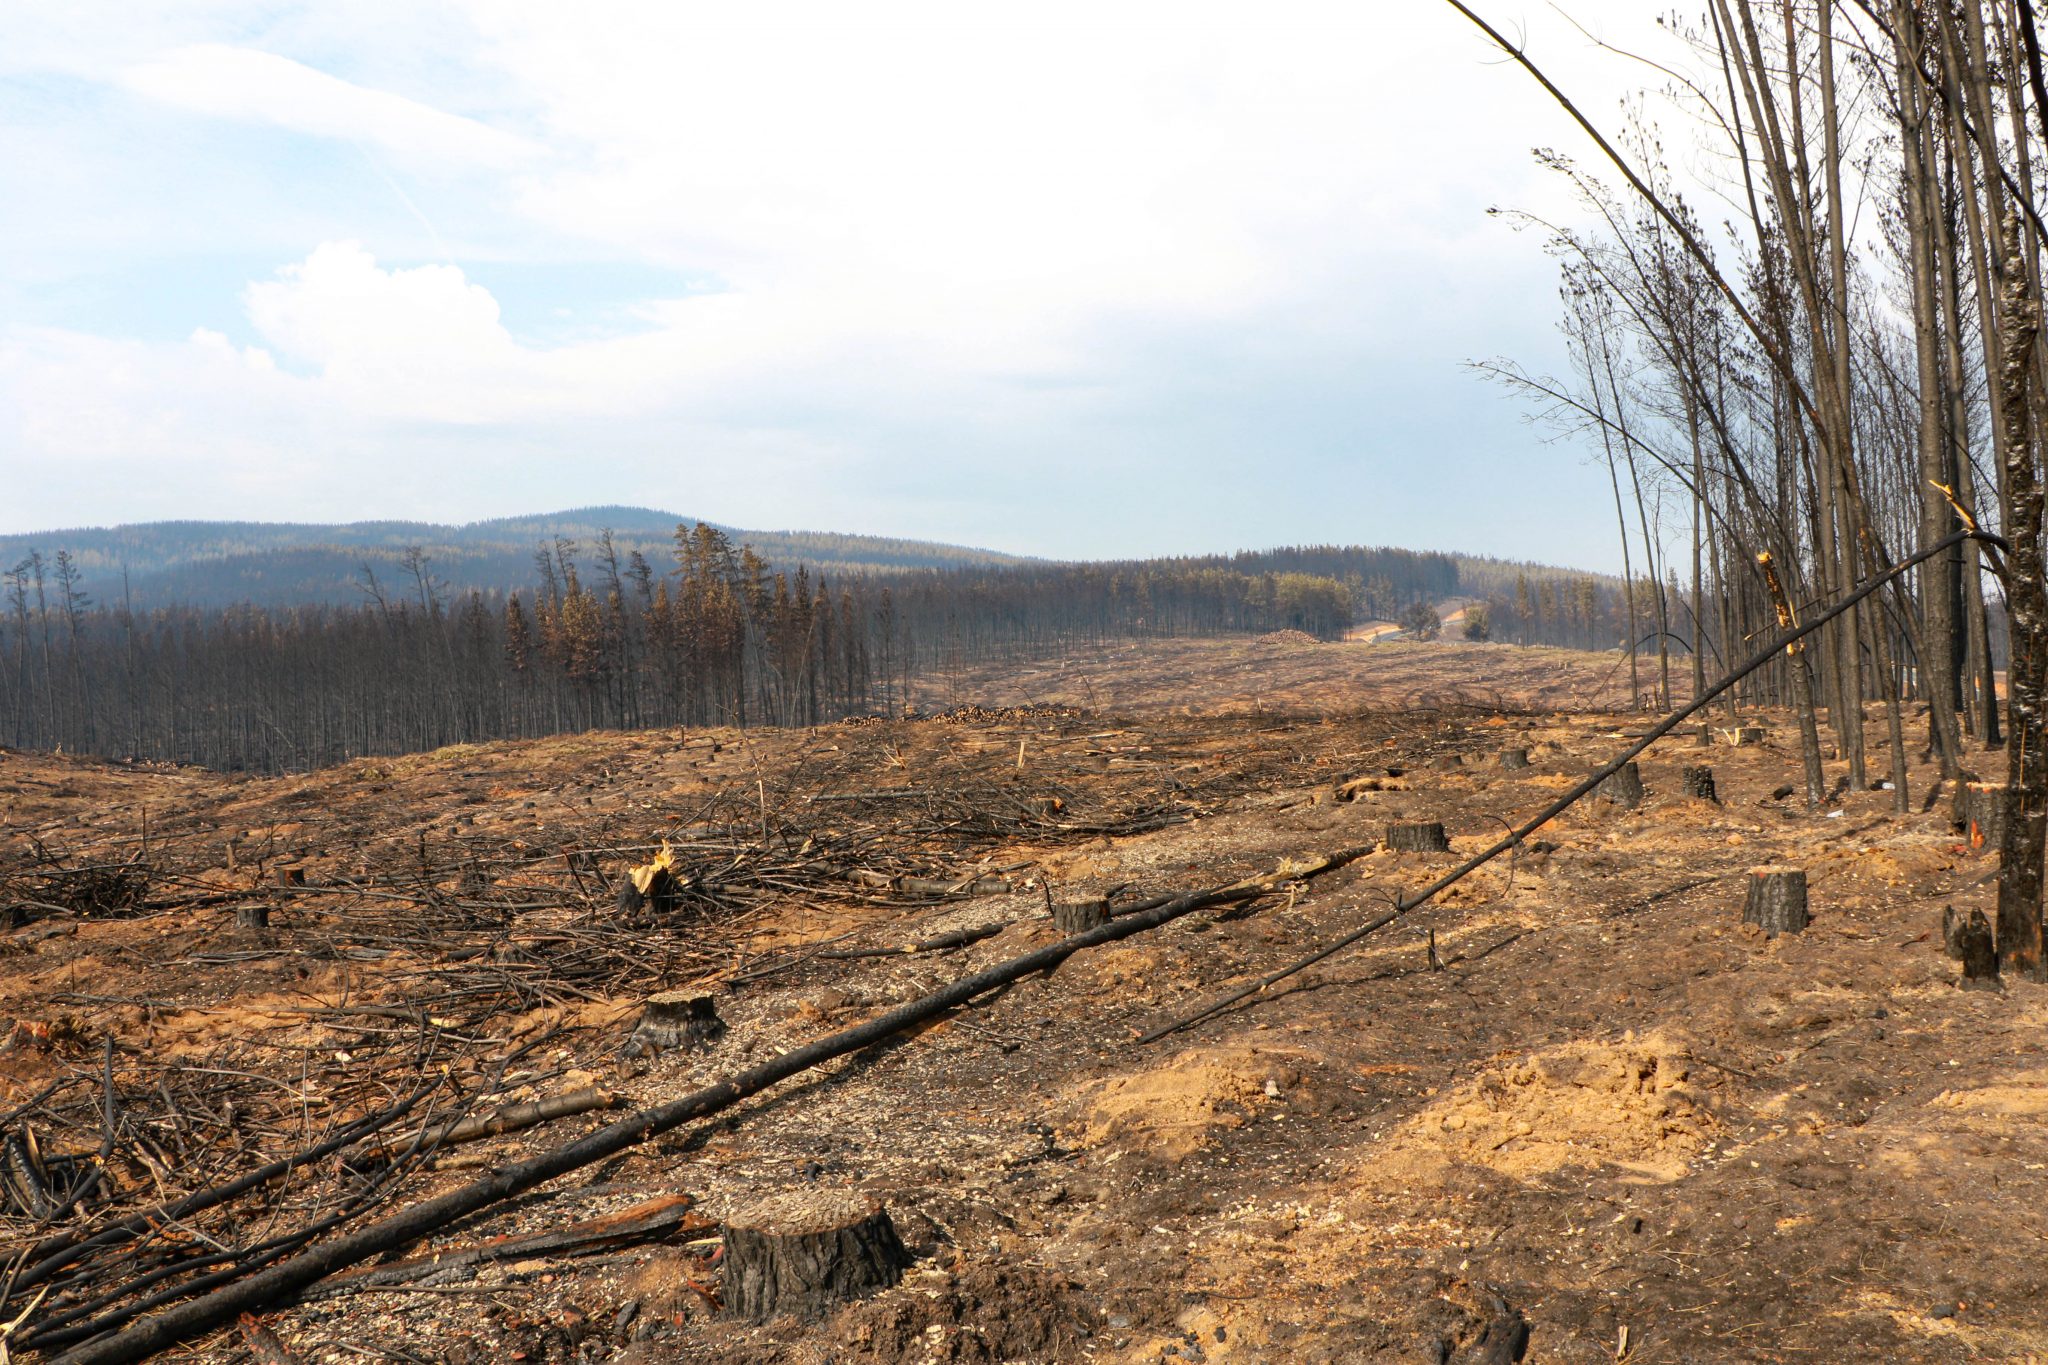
(219, 563)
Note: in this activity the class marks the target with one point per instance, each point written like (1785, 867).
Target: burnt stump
(1698, 782)
(1624, 786)
(1777, 900)
(1416, 836)
(804, 1254)
(675, 1019)
(1984, 809)
(1968, 940)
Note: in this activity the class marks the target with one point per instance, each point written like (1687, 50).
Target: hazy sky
(1067, 279)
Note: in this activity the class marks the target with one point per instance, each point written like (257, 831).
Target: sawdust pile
(1171, 1111)
(1586, 1104)
(1288, 637)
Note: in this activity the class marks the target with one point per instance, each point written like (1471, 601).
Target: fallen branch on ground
(285, 1280)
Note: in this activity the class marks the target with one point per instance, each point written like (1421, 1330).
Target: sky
(1074, 280)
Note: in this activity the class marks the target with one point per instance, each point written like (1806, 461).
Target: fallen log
(283, 1281)
(937, 943)
(512, 1118)
(664, 1216)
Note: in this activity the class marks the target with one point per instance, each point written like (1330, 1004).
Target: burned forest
(697, 952)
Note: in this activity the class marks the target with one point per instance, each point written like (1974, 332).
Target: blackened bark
(2026, 822)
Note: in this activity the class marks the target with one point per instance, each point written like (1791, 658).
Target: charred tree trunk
(2026, 821)
(1802, 687)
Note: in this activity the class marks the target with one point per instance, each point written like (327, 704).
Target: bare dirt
(1655, 1133)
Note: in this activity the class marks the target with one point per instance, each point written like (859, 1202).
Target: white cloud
(943, 244)
(245, 83)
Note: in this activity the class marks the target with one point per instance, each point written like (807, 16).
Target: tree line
(1836, 367)
(604, 637)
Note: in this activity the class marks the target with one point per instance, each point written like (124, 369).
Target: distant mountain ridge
(220, 563)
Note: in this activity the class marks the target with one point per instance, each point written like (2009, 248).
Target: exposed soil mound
(1621, 1104)
(1172, 1111)
(1288, 637)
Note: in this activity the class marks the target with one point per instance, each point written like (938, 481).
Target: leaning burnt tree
(1843, 394)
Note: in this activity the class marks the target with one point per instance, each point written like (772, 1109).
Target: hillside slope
(217, 563)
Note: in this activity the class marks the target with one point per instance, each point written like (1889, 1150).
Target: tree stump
(1078, 917)
(1514, 758)
(1777, 900)
(1624, 786)
(1698, 782)
(250, 917)
(289, 877)
(1968, 941)
(805, 1254)
(1743, 736)
(651, 886)
(1984, 809)
(673, 1019)
(1416, 836)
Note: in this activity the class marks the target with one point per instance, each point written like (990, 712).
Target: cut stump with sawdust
(1078, 917)
(804, 1254)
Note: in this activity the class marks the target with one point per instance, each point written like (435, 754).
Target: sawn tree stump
(1416, 836)
(1968, 941)
(1513, 758)
(252, 917)
(1984, 809)
(1078, 917)
(1698, 782)
(673, 1019)
(1777, 900)
(805, 1254)
(1624, 786)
